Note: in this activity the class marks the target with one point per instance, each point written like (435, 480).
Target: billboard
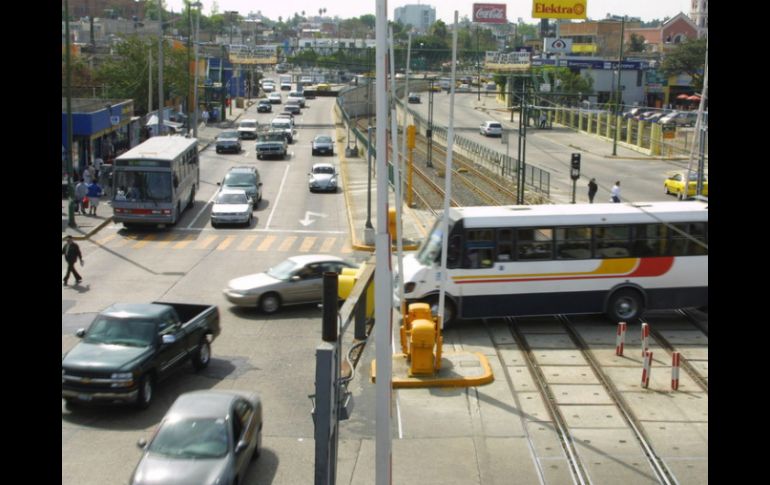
(507, 61)
(559, 9)
(242, 54)
(489, 13)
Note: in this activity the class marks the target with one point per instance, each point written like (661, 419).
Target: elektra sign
(489, 13)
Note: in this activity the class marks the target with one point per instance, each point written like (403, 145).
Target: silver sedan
(205, 437)
(296, 280)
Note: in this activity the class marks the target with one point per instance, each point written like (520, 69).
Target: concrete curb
(91, 232)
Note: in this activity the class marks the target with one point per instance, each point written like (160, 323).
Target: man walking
(71, 252)
(592, 188)
(616, 192)
(81, 190)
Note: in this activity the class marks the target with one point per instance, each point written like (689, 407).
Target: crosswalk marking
(206, 242)
(145, 240)
(307, 244)
(166, 240)
(287, 243)
(107, 239)
(226, 243)
(246, 243)
(328, 243)
(185, 242)
(265, 245)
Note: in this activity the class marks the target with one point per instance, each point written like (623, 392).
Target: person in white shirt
(616, 192)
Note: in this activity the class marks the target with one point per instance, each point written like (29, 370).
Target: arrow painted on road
(307, 220)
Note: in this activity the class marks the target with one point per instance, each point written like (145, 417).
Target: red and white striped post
(620, 340)
(645, 338)
(675, 371)
(646, 369)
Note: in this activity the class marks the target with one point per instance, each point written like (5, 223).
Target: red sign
(489, 13)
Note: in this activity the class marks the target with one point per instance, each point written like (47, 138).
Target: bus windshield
(141, 186)
(431, 248)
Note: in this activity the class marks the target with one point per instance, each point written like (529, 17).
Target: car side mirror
(142, 443)
(241, 446)
(168, 339)
(81, 332)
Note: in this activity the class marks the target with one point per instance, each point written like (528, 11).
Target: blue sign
(600, 65)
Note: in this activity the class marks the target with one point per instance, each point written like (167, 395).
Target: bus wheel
(625, 305)
(449, 309)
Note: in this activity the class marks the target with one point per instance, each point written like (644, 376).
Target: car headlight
(333, 181)
(125, 379)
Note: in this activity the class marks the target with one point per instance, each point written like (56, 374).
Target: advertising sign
(242, 54)
(507, 61)
(559, 9)
(489, 13)
(557, 45)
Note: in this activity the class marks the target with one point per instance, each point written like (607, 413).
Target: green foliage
(689, 58)
(636, 43)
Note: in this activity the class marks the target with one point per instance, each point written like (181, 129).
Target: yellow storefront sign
(559, 9)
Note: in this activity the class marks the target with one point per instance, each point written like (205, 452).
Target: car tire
(70, 404)
(449, 309)
(259, 157)
(202, 355)
(665, 190)
(270, 303)
(146, 392)
(625, 305)
(680, 195)
(258, 447)
(314, 152)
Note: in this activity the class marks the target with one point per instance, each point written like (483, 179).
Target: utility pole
(620, 94)
(195, 82)
(478, 63)
(160, 67)
(149, 82)
(70, 189)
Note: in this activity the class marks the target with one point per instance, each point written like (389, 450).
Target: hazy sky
(597, 9)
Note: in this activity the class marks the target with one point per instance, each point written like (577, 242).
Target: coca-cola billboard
(489, 13)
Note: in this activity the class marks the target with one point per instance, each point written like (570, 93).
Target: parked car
(491, 128)
(274, 98)
(205, 437)
(414, 98)
(674, 184)
(679, 118)
(231, 206)
(246, 179)
(228, 141)
(490, 87)
(322, 144)
(463, 88)
(247, 129)
(322, 177)
(293, 281)
(129, 348)
(632, 113)
(655, 117)
(264, 106)
(292, 108)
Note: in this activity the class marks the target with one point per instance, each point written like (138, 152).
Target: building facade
(420, 17)
(700, 16)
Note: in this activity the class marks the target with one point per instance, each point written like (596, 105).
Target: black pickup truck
(131, 347)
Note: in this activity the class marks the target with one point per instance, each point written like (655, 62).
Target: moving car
(247, 129)
(463, 88)
(264, 106)
(674, 184)
(296, 97)
(228, 141)
(244, 178)
(271, 143)
(322, 177)
(285, 125)
(205, 437)
(323, 144)
(274, 98)
(231, 206)
(292, 108)
(491, 128)
(268, 86)
(414, 98)
(291, 282)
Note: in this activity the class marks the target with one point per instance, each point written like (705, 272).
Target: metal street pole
(197, 5)
(478, 63)
(160, 67)
(429, 133)
(70, 189)
(619, 92)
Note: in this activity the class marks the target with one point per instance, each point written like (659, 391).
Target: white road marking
(278, 197)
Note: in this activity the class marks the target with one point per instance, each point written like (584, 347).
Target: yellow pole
(410, 172)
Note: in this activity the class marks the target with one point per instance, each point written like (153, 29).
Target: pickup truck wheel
(70, 404)
(146, 389)
(202, 356)
(270, 303)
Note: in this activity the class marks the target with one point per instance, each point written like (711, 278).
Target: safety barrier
(675, 358)
(646, 369)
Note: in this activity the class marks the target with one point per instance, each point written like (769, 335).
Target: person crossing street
(71, 252)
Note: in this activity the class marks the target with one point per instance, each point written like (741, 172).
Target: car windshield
(694, 177)
(495, 125)
(283, 270)
(248, 124)
(191, 438)
(323, 139)
(323, 170)
(228, 134)
(232, 199)
(139, 186)
(240, 180)
(431, 247)
(281, 125)
(121, 331)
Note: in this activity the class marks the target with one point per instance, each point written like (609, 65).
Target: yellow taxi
(323, 87)
(674, 184)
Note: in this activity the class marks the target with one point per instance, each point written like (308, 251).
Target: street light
(620, 94)
(197, 5)
(70, 190)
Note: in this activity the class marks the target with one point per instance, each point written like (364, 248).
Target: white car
(491, 128)
(275, 98)
(268, 87)
(247, 129)
(297, 98)
(231, 206)
(322, 177)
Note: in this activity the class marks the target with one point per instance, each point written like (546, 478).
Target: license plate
(85, 397)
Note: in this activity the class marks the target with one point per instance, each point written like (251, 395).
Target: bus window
(573, 243)
(478, 258)
(453, 254)
(650, 240)
(505, 245)
(698, 244)
(533, 244)
(612, 241)
(681, 240)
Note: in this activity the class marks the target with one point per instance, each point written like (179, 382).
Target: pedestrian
(205, 116)
(94, 192)
(71, 252)
(543, 119)
(88, 175)
(81, 190)
(592, 188)
(616, 192)
(98, 162)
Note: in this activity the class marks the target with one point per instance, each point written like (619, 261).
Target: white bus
(155, 181)
(619, 259)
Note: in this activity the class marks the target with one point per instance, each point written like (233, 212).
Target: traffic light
(575, 165)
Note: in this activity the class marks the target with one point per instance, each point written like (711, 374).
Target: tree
(438, 29)
(689, 58)
(636, 43)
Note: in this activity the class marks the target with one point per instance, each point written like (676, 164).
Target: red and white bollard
(645, 338)
(620, 340)
(646, 369)
(675, 371)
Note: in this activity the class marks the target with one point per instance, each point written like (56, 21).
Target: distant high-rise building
(699, 13)
(421, 17)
